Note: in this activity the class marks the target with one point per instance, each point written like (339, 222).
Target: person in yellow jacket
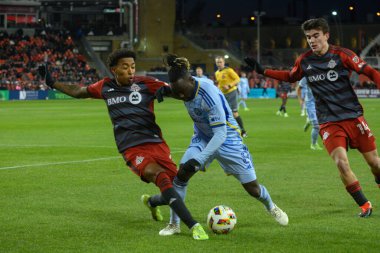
(227, 81)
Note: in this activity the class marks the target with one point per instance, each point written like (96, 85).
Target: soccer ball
(221, 219)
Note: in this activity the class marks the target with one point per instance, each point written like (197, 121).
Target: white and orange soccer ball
(221, 219)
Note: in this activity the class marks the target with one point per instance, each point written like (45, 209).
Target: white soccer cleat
(170, 229)
(279, 215)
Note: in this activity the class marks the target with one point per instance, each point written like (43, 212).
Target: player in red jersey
(130, 102)
(340, 115)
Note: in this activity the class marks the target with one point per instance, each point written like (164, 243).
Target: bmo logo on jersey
(135, 97)
(331, 75)
(116, 100)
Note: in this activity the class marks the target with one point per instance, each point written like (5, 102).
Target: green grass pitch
(64, 187)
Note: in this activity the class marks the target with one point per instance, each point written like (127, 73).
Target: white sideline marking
(59, 163)
(51, 146)
(70, 162)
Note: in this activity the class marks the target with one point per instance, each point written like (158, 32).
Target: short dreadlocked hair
(118, 54)
(179, 67)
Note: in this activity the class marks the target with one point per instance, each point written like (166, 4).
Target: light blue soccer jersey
(307, 91)
(216, 133)
(243, 87)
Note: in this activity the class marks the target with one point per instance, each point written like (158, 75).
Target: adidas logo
(309, 67)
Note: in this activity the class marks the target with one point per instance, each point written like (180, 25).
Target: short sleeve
(95, 89)
(152, 83)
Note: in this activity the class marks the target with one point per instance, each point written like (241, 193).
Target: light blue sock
(314, 134)
(181, 188)
(243, 103)
(265, 198)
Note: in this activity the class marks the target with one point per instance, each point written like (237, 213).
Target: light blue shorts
(234, 159)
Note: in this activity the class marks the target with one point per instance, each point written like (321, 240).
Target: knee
(151, 172)
(343, 165)
(184, 175)
(253, 189)
(374, 163)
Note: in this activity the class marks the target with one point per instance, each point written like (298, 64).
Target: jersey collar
(196, 89)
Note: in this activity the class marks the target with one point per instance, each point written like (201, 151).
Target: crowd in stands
(20, 56)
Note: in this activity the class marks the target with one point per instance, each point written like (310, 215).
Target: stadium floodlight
(226, 56)
(338, 25)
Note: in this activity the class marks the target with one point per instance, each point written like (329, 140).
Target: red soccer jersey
(328, 77)
(131, 109)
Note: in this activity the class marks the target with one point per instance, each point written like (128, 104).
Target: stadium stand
(21, 54)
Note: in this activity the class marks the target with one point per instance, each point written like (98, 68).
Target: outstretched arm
(73, 90)
(282, 75)
(373, 74)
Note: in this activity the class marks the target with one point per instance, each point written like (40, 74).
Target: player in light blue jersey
(216, 137)
(199, 73)
(243, 88)
(301, 93)
(311, 114)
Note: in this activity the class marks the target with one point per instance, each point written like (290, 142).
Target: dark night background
(238, 12)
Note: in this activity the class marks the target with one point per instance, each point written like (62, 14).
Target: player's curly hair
(118, 54)
(179, 67)
(316, 23)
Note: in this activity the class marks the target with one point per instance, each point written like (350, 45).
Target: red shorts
(284, 95)
(140, 156)
(353, 133)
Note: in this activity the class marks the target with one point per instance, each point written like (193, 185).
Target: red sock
(355, 190)
(163, 181)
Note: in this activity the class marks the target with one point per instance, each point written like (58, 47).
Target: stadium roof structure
(21, 2)
(80, 2)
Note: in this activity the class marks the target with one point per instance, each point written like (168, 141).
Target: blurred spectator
(20, 56)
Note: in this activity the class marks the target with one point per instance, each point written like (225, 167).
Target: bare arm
(73, 90)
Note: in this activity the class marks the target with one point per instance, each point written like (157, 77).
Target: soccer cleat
(315, 147)
(279, 215)
(246, 109)
(286, 115)
(366, 210)
(302, 113)
(170, 229)
(278, 113)
(244, 134)
(306, 126)
(199, 233)
(156, 213)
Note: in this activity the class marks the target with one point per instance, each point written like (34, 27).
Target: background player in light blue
(216, 136)
(243, 88)
(311, 114)
(199, 73)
